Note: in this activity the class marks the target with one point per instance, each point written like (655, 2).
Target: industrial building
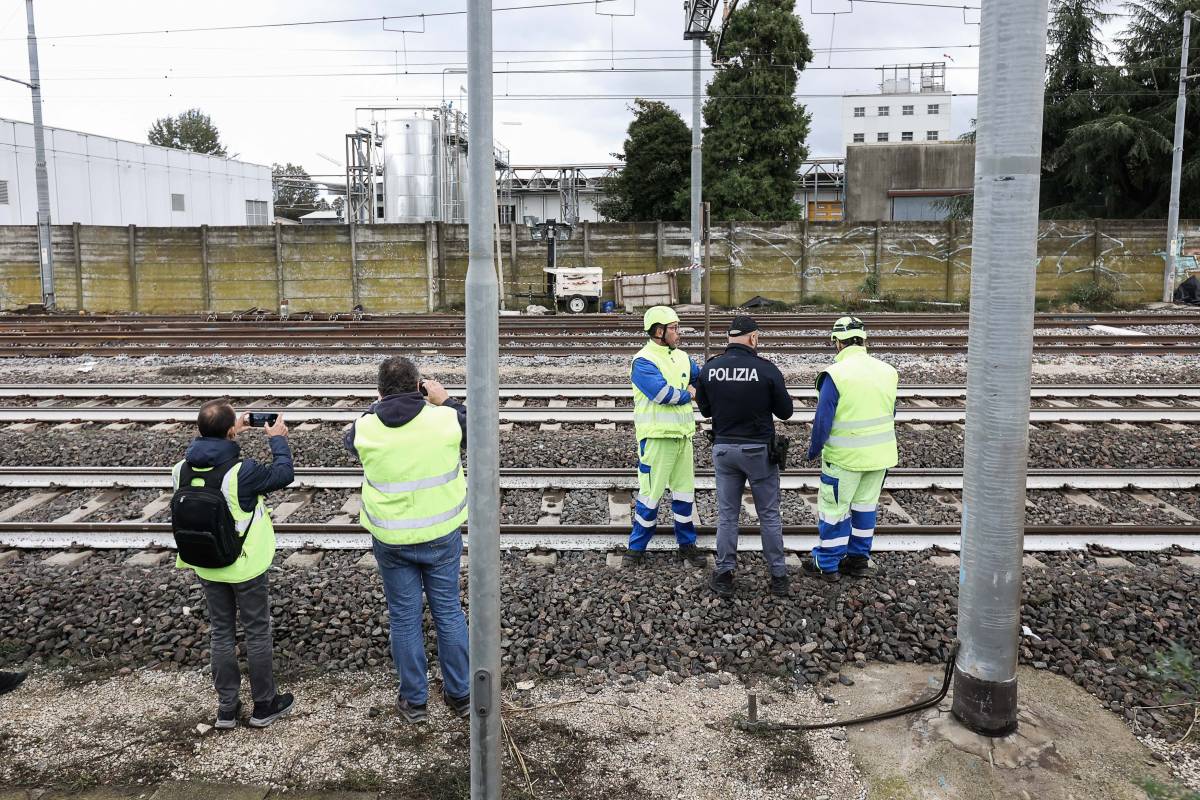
(912, 106)
(906, 181)
(410, 165)
(98, 180)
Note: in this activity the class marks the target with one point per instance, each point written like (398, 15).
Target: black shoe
(266, 713)
(779, 585)
(858, 567)
(10, 681)
(413, 715)
(228, 719)
(459, 706)
(811, 569)
(633, 558)
(721, 583)
(691, 554)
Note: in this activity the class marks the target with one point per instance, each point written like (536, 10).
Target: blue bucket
(608, 306)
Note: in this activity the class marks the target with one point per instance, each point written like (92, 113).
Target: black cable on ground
(920, 705)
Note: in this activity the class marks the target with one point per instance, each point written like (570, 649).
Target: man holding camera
(241, 588)
(854, 434)
(414, 502)
(742, 392)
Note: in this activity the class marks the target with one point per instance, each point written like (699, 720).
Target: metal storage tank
(410, 169)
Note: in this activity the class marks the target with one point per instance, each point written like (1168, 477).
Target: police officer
(742, 391)
(663, 379)
(414, 502)
(854, 434)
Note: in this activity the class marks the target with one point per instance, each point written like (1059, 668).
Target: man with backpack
(223, 531)
(414, 503)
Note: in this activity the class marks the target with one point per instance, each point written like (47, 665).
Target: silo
(410, 169)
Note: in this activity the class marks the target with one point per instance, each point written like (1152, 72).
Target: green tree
(295, 192)
(192, 130)
(1076, 70)
(655, 181)
(754, 129)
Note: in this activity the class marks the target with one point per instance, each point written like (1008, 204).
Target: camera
(262, 419)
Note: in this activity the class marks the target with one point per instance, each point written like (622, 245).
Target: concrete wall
(872, 171)
(409, 268)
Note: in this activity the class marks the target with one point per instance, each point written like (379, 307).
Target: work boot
(412, 714)
(266, 713)
(459, 706)
(779, 585)
(228, 719)
(722, 583)
(10, 681)
(810, 568)
(633, 558)
(691, 554)
(859, 567)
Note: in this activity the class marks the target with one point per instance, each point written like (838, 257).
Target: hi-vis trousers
(846, 510)
(664, 464)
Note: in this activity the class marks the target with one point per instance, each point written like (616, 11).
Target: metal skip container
(410, 169)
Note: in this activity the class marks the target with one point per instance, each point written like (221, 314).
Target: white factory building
(912, 105)
(98, 180)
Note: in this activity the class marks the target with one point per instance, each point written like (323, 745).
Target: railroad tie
(602, 403)
(298, 500)
(8, 556)
(550, 427)
(620, 505)
(553, 501)
(28, 503)
(91, 506)
(348, 513)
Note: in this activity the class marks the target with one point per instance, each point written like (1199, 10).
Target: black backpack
(205, 533)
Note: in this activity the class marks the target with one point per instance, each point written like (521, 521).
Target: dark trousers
(735, 465)
(250, 600)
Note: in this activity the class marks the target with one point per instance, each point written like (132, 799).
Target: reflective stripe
(853, 442)
(664, 417)
(645, 523)
(663, 393)
(861, 533)
(405, 524)
(863, 506)
(683, 517)
(648, 502)
(849, 425)
(683, 497)
(828, 520)
(841, 541)
(411, 486)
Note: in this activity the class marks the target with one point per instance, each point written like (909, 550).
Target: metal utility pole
(698, 15)
(483, 434)
(45, 254)
(707, 278)
(1012, 60)
(1177, 164)
(697, 168)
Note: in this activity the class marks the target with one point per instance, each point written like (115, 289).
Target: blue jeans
(434, 567)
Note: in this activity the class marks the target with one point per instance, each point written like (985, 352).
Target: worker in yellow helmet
(663, 379)
(854, 435)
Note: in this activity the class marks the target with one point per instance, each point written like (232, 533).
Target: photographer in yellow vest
(414, 502)
(663, 379)
(854, 434)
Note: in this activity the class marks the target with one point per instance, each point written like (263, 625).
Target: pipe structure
(45, 251)
(697, 169)
(1168, 293)
(999, 354)
(483, 391)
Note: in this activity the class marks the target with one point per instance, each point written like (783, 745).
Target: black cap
(742, 325)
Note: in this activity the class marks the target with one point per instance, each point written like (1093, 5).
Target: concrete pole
(45, 253)
(483, 412)
(1177, 164)
(1000, 345)
(697, 169)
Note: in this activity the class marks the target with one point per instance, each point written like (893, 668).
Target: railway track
(593, 404)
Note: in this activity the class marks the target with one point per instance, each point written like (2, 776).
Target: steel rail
(1059, 346)
(568, 415)
(13, 477)
(533, 390)
(797, 538)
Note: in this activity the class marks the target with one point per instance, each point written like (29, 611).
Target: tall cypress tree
(755, 130)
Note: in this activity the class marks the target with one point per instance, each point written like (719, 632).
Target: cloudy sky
(289, 93)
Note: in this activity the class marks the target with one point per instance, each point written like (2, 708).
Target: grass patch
(1093, 296)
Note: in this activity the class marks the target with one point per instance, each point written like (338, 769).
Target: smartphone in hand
(262, 419)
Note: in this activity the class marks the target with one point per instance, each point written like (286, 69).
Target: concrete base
(1067, 746)
(8, 556)
(147, 558)
(542, 559)
(367, 562)
(1029, 562)
(1112, 562)
(67, 559)
(614, 560)
(945, 562)
(304, 559)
